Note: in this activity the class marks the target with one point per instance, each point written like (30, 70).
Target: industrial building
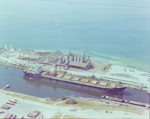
(71, 60)
(52, 58)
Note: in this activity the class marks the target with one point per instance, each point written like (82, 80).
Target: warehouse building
(53, 58)
(72, 60)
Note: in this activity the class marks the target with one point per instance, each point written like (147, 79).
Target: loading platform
(139, 104)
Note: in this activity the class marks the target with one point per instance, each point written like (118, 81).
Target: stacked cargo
(67, 77)
(103, 83)
(84, 80)
(93, 82)
(59, 76)
(75, 79)
(112, 85)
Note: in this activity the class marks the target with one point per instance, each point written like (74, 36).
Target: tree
(63, 97)
(71, 101)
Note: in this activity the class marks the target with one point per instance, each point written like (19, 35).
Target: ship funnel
(5, 46)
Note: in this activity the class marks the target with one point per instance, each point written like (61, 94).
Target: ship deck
(102, 84)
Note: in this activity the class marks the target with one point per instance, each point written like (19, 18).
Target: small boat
(7, 86)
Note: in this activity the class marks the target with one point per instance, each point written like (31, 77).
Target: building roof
(54, 56)
(71, 54)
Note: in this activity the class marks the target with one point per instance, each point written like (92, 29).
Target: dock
(139, 104)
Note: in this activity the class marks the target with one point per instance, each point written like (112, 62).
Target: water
(109, 27)
(45, 88)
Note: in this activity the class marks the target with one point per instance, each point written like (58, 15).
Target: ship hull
(114, 90)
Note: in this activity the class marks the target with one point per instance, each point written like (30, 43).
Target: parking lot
(15, 107)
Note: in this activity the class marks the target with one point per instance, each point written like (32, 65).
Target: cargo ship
(116, 87)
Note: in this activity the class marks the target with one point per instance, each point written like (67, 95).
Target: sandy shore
(85, 108)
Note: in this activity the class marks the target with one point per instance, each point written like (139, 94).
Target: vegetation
(63, 97)
(71, 101)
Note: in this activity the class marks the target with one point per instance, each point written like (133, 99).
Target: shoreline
(112, 59)
(122, 61)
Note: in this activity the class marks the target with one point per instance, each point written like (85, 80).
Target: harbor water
(21, 83)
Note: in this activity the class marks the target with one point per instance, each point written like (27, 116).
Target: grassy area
(85, 103)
